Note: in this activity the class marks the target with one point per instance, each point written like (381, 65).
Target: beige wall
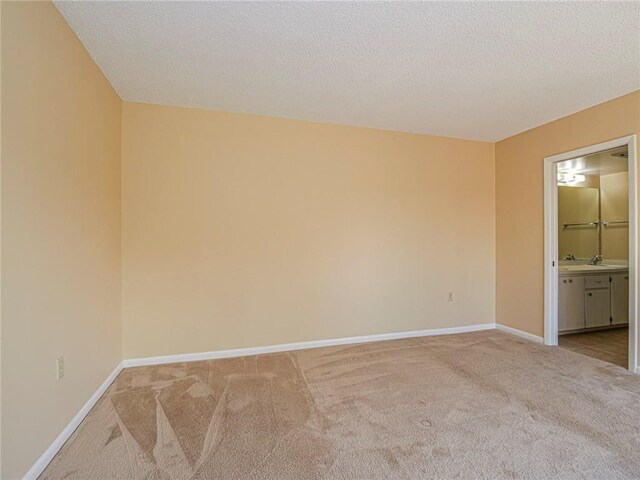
(241, 231)
(614, 199)
(61, 165)
(519, 205)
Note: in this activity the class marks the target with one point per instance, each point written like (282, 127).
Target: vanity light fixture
(567, 178)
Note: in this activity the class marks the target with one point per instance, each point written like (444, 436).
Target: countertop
(580, 269)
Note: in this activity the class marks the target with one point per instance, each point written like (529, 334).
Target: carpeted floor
(477, 405)
(609, 345)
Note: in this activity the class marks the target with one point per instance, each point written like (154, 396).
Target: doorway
(591, 251)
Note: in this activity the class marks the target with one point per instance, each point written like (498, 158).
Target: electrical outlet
(59, 368)
(451, 296)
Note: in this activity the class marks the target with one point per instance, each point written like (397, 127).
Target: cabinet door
(570, 303)
(620, 298)
(597, 307)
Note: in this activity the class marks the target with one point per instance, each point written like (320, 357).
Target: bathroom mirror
(593, 206)
(579, 221)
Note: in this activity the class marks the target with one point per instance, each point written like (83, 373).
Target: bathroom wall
(61, 165)
(242, 230)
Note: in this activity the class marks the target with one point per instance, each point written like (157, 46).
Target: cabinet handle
(590, 294)
(570, 281)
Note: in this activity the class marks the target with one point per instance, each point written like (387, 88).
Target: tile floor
(608, 345)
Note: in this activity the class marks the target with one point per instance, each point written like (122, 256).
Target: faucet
(595, 260)
(569, 256)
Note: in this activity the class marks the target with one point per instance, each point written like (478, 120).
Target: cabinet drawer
(596, 281)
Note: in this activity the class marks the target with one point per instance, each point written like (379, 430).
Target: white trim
(286, 347)
(633, 254)
(550, 254)
(551, 241)
(519, 333)
(38, 467)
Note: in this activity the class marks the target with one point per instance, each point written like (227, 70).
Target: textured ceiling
(471, 70)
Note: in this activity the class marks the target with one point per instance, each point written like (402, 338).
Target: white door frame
(551, 241)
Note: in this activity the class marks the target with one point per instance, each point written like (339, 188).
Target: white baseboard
(42, 462)
(520, 333)
(286, 347)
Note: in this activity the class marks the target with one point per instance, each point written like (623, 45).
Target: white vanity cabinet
(620, 299)
(571, 303)
(589, 300)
